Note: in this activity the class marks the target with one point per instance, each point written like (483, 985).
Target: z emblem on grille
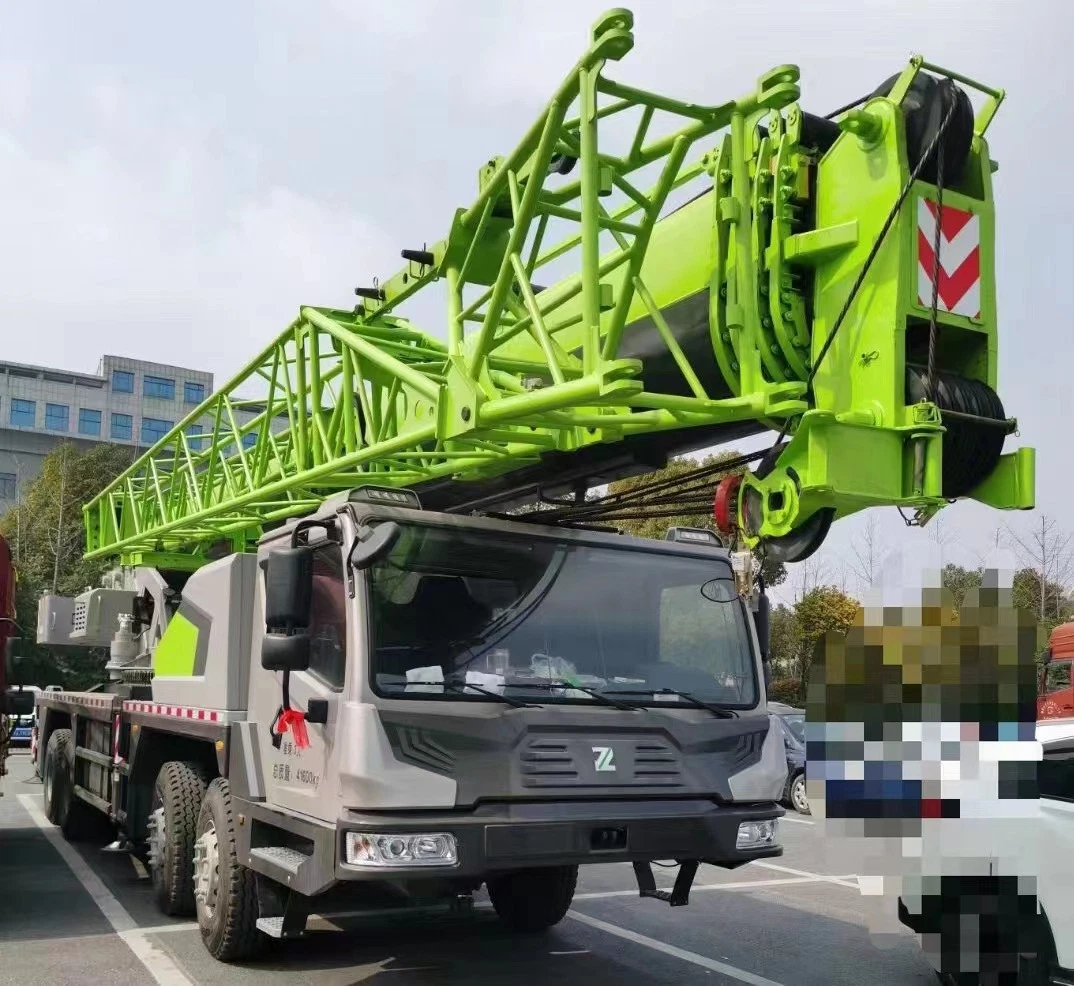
(603, 757)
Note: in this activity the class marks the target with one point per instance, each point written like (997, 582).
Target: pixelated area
(922, 766)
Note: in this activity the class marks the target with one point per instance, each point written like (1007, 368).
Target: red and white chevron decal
(960, 259)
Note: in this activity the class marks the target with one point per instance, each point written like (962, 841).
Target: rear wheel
(225, 892)
(76, 819)
(173, 816)
(533, 900)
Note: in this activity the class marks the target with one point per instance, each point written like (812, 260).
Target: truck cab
(484, 695)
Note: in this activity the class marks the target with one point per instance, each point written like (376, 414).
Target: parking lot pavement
(70, 913)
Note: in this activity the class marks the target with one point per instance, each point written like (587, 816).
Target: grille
(656, 763)
(548, 763)
(78, 618)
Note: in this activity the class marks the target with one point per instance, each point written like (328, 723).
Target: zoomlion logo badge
(603, 758)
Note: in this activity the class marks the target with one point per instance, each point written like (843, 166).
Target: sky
(176, 180)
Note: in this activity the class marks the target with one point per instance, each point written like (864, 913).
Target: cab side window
(328, 617)
(1057, 676)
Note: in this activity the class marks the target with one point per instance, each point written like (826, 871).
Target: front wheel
(533, 900)
(225, 892)
(799, 801)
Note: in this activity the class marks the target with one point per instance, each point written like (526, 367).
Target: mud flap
(679, 895)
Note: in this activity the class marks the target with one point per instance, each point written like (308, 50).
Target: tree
(960, 580)
(1046, 550)
(868, 553)
(783, 640)
(46, 526)
(774, 572)
(796, 631)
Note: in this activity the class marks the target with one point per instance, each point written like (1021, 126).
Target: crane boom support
(667, 326)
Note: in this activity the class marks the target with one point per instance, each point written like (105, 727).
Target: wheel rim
(157, 828)
(206, 874)
(798, 795)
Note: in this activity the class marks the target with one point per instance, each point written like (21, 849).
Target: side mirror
(17, 702)
(12, 672)
(373, 544)
(288, 595)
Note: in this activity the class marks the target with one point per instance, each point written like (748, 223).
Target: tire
(796, 795)
(533, 900)
(177, 797)
(225, 892)
(76, 819)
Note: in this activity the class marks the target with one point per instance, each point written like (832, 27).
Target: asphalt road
(70, 914)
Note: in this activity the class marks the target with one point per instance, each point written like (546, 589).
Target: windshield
(513, 615)
(796, 724)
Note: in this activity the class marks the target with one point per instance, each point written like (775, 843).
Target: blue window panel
(193, 393)
(89, 421)
(160, 387)
(123, 381)
(249, 440)
(23, 413)
(57, 417)
(122, 427)
(154, 429)
(7, 486)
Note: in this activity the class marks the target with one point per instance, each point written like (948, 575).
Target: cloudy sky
(177, 179)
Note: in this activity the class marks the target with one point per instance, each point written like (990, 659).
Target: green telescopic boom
(831, 279)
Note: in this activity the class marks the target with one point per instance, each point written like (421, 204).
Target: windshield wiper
(697, 703)
(556, 683)
(456, 686)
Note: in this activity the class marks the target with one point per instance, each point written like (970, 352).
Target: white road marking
(843, 881)
(679, 953)
(163, 929)
(139, 868)
(157, 963)
(573, 951)
(737, 885)
(796, 821)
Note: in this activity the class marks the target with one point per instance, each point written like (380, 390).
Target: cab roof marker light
(379, 494)
(692, 535)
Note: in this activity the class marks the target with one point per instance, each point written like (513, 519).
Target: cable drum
(923, 110)
(971, 449)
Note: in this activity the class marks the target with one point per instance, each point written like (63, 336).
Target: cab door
(1056, 692)
(305, 779)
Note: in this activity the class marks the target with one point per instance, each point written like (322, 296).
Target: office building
(126, 402)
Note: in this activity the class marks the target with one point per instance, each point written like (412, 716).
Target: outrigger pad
(679, 895)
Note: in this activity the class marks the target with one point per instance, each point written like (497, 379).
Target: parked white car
(1048, 841)
(1055, 885)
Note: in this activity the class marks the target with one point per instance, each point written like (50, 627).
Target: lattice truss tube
(361, 396)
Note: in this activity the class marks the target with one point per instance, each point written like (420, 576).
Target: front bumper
(507, 837)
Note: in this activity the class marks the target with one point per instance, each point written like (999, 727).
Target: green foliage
(960, 580)
(47, 539)
(656, 527)
(1051, 608)
(795, 632)
(786, 690)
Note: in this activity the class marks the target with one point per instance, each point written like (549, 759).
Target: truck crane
(373, 636)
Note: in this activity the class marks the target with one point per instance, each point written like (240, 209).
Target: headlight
(405, 849)
(753, 835)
